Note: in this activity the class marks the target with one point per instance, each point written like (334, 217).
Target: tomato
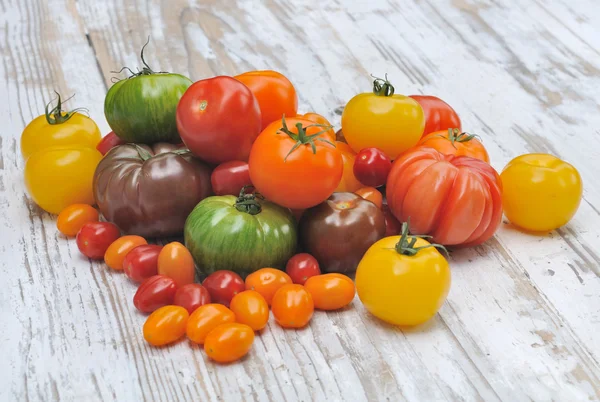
(301, 267)
(349, 182)
(292, 306)
(453, 142)
(541, 192)
(155, 292)
(403, 283)
(175, 261)
(223, 285)
(275, 94)
(330, 291)
(317, 118)
(219, 119)
(463, 202)
(308, 166)
(116, 252)
(230, 177)
(108, 142)
(392, 123)
(267, 281)
(94, 238)
(165, 325)
(438, 114)
(72, 218)
(191, 296)
(371, 194)
(142, 262)
(206, 318)
(250, 308)
(371, 167)
(392, 226)
(229, 342)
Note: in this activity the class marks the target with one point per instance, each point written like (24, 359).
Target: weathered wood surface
(522, 318)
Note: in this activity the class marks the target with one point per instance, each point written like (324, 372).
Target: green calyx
(146, 70)
(302, 138)
(57, 115)
(406, 244)
(382, 87)
(454, 136)
(248, 202)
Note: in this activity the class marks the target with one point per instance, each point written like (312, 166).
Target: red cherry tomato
(392, 225)
(94, 238)
(155, 292)
(192, 296)
(371, 167)
(438, 114)
(223, 285)
(109, 141)
(142, 262)
(230, 177)
(301, 267)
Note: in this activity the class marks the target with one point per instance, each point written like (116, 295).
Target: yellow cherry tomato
(540, 192)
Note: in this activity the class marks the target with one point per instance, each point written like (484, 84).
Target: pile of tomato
(277, 211)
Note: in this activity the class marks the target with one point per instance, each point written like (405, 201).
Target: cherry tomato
(165, 325)
(116, 252)
(108, 142)
(349, 182)
(330, 291)
(292, 306)
(250, 308)
(438, 114)
(72, 218)
(175, 261)
(317, 118)
(453, 142)
(301, 267)
(155, 292)
(371, 167)
(392, 225)
(206, 318)
(267, 281)
(94, 238)
(142, 262)
(230, 177)
(191, 296)
(371, 194)
(229, 342)
(223, 285)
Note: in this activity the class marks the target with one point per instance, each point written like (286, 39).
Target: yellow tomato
(540, 192)
(57, 177)
(349, 182)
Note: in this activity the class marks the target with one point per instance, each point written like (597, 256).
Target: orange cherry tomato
(165, 325)
(176, 262)
(229, 342)
(206, 318)
(317, 118)
(349, 182)
(267, 281)
(330, 291)
(250, 308)
(72, 218)
(117, 251)
(453, 142)
(371, 194)
(292, 306)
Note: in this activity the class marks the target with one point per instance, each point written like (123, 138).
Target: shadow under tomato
(405, 329)
(507, 225)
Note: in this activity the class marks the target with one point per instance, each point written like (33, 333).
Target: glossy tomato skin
(371, 194)
(267, 281)
(250, 308)
(453, 142)
(464, 196)
(274, 93)
(223, 285)
(155, 292)
(218, 119)
(72, 218)
(116, 252)
(94, 238)
(229, 342)
(108, 142)
(541, 192)
(301, 267)
(371, 167)
(142, 262)
(349, 182)
(175, 261)
(206, 318)
(392, 226)
(330, 291)
(319, 119)
(230, 177)
(191, 296)
(165, 325)
(438, 114)
(292, 306)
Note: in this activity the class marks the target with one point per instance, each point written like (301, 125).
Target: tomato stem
(249, 202)
(57, 115)
(382, 87)
(454, 136)
(406, 244)
(146, 70)
(302, 138)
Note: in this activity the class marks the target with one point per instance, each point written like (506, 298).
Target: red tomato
(175, 261)
(155, 292)
(438, 114)
(371, 194)
(142, 262)
(230, 177)
(371, 167)
(116, 252)
(455, 199)
(301, 267)
(453, 142)
(94, 238)
(392, 225)
(223, 285)
(165, 325)
(72, 218)
(191, 296)
(109, 141)
(292, 306)
(219, 119)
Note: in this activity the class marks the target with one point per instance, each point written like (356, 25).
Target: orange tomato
(308, 169)
(330, 291)
(206, 318)
(72, 218)
(165, 325)
(267, 281)
(118, 249)
(176, 262)
(317, 118)
(292, 306)
(453, 142)
(250, 308)
(371, 194)
(229, 342)
(349, 182)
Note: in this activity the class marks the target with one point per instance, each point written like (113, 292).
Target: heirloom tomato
(371, 167)
(317, 118)
(392, 226)
(206, 318)
(191, 296)
(72, 218)
(301, 267)
(292, 306)
(94, 238)
(349, 182)
(267, 281)
(108, 142)
(250, 308)
(165, 325)
(223, 285)
(438, 114)
(116, 252)
(230, 177)
(229, 342)
(330, 291)
(371, 194)
(155, 292)
(142, 262)
(175, 261)
(453, 142)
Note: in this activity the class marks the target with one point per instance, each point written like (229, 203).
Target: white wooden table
(522, 319)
